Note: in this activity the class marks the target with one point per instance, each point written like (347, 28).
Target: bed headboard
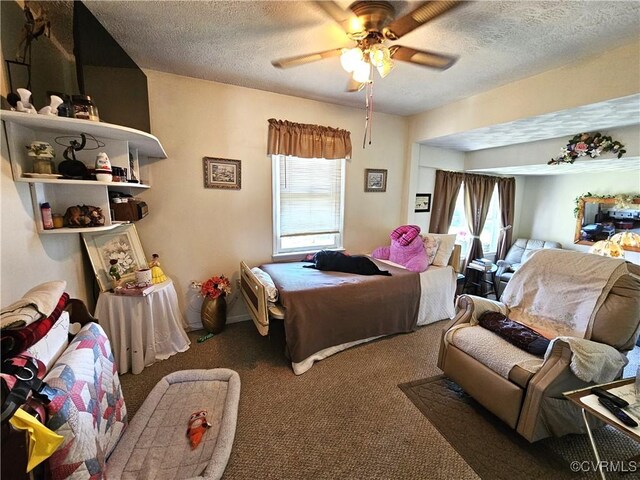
(454, 260)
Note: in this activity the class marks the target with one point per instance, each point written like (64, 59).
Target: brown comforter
(324, 309)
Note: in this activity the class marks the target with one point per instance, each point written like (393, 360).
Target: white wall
(427, 161)
(550, 202)
(28, 258)
(200, 232)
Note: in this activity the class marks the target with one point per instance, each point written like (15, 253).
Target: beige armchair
(523, 390)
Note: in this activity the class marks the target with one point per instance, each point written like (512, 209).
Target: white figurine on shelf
(52, 108)
(23, 104)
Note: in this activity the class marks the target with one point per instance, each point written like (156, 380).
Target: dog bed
(155, 444)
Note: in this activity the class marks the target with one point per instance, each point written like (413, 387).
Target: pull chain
(368, 105)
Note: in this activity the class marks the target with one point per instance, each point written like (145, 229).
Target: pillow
(447, 241)
(265, 279)
(431, 245)
(51, 346)
(515, 333)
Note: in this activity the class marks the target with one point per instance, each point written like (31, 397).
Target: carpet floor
(345, 418)
(494, 450)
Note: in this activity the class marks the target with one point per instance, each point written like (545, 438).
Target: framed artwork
(423, 202)
(122, 244)
(375, 180)
(222, 173)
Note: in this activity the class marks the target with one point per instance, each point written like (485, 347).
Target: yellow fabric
(42, 441)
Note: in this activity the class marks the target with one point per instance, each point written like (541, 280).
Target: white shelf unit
(120, 142)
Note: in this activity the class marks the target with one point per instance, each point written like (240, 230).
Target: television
(78, 57)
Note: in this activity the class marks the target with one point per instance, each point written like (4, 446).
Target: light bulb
(379, 55)
(361, 72)
(350, 58)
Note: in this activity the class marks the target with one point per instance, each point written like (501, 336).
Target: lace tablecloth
(145, 329)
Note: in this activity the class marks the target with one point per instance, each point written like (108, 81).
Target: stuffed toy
(198, 425)
(407, 249)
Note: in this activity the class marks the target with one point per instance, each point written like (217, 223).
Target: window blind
(310, 196)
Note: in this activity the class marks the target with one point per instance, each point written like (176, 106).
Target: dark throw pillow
(329, 260)
(515, 333)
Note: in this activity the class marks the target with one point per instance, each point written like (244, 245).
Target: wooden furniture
(578, 397)
(121, 144)
(482, 280)
(142, 330)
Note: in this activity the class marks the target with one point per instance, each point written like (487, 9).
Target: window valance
(307, 141)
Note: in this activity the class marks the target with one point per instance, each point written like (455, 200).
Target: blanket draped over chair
(542, 296)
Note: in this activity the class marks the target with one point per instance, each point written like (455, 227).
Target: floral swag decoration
(592, 144)
(214, 287)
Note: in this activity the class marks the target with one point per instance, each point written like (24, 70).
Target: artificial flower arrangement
(215, 287)
(584, 144)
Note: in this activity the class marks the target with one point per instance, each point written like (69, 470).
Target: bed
(327, 312)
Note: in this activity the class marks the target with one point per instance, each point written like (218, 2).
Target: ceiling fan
(370, 24)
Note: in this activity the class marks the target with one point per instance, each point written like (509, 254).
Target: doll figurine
(114, 273)
(157, 275)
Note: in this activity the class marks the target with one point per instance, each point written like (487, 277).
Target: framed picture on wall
(423, 202)
(121, 244)
(375, 180)
(222, 173)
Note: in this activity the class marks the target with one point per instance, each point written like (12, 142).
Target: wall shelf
(82, 182)
(144, 142)
(126, 148)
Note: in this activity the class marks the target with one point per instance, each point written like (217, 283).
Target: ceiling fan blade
(354, 85)
(423, 58)
(349, 21)
(308, 58)
(421, 15)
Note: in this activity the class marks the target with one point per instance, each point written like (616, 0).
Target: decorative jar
(214, 314)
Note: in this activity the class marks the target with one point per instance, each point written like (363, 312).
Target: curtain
(307, 141)
(478, 190)
(506, 195)
(444, 200)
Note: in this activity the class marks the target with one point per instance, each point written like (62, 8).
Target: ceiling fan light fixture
(385, 69)
(362, 72)
(351, 58)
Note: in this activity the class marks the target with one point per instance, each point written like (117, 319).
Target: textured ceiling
(583, 165)
(234, 42)
(619, 112)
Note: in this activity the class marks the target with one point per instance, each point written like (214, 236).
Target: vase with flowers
(214, 306)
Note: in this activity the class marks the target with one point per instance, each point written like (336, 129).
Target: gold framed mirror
(599, 218)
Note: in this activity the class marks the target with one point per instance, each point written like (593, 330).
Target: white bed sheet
(437, 294)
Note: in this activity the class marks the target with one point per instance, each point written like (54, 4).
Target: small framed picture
(375, 180)
(222, 173)
(121, 244)
(423, 202)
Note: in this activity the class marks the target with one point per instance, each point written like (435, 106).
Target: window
(308, 203)
(490, 232)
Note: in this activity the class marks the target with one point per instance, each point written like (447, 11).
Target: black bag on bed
(329, 260)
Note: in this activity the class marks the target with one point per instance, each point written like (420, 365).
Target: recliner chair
(491, 369)
(519, 252)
